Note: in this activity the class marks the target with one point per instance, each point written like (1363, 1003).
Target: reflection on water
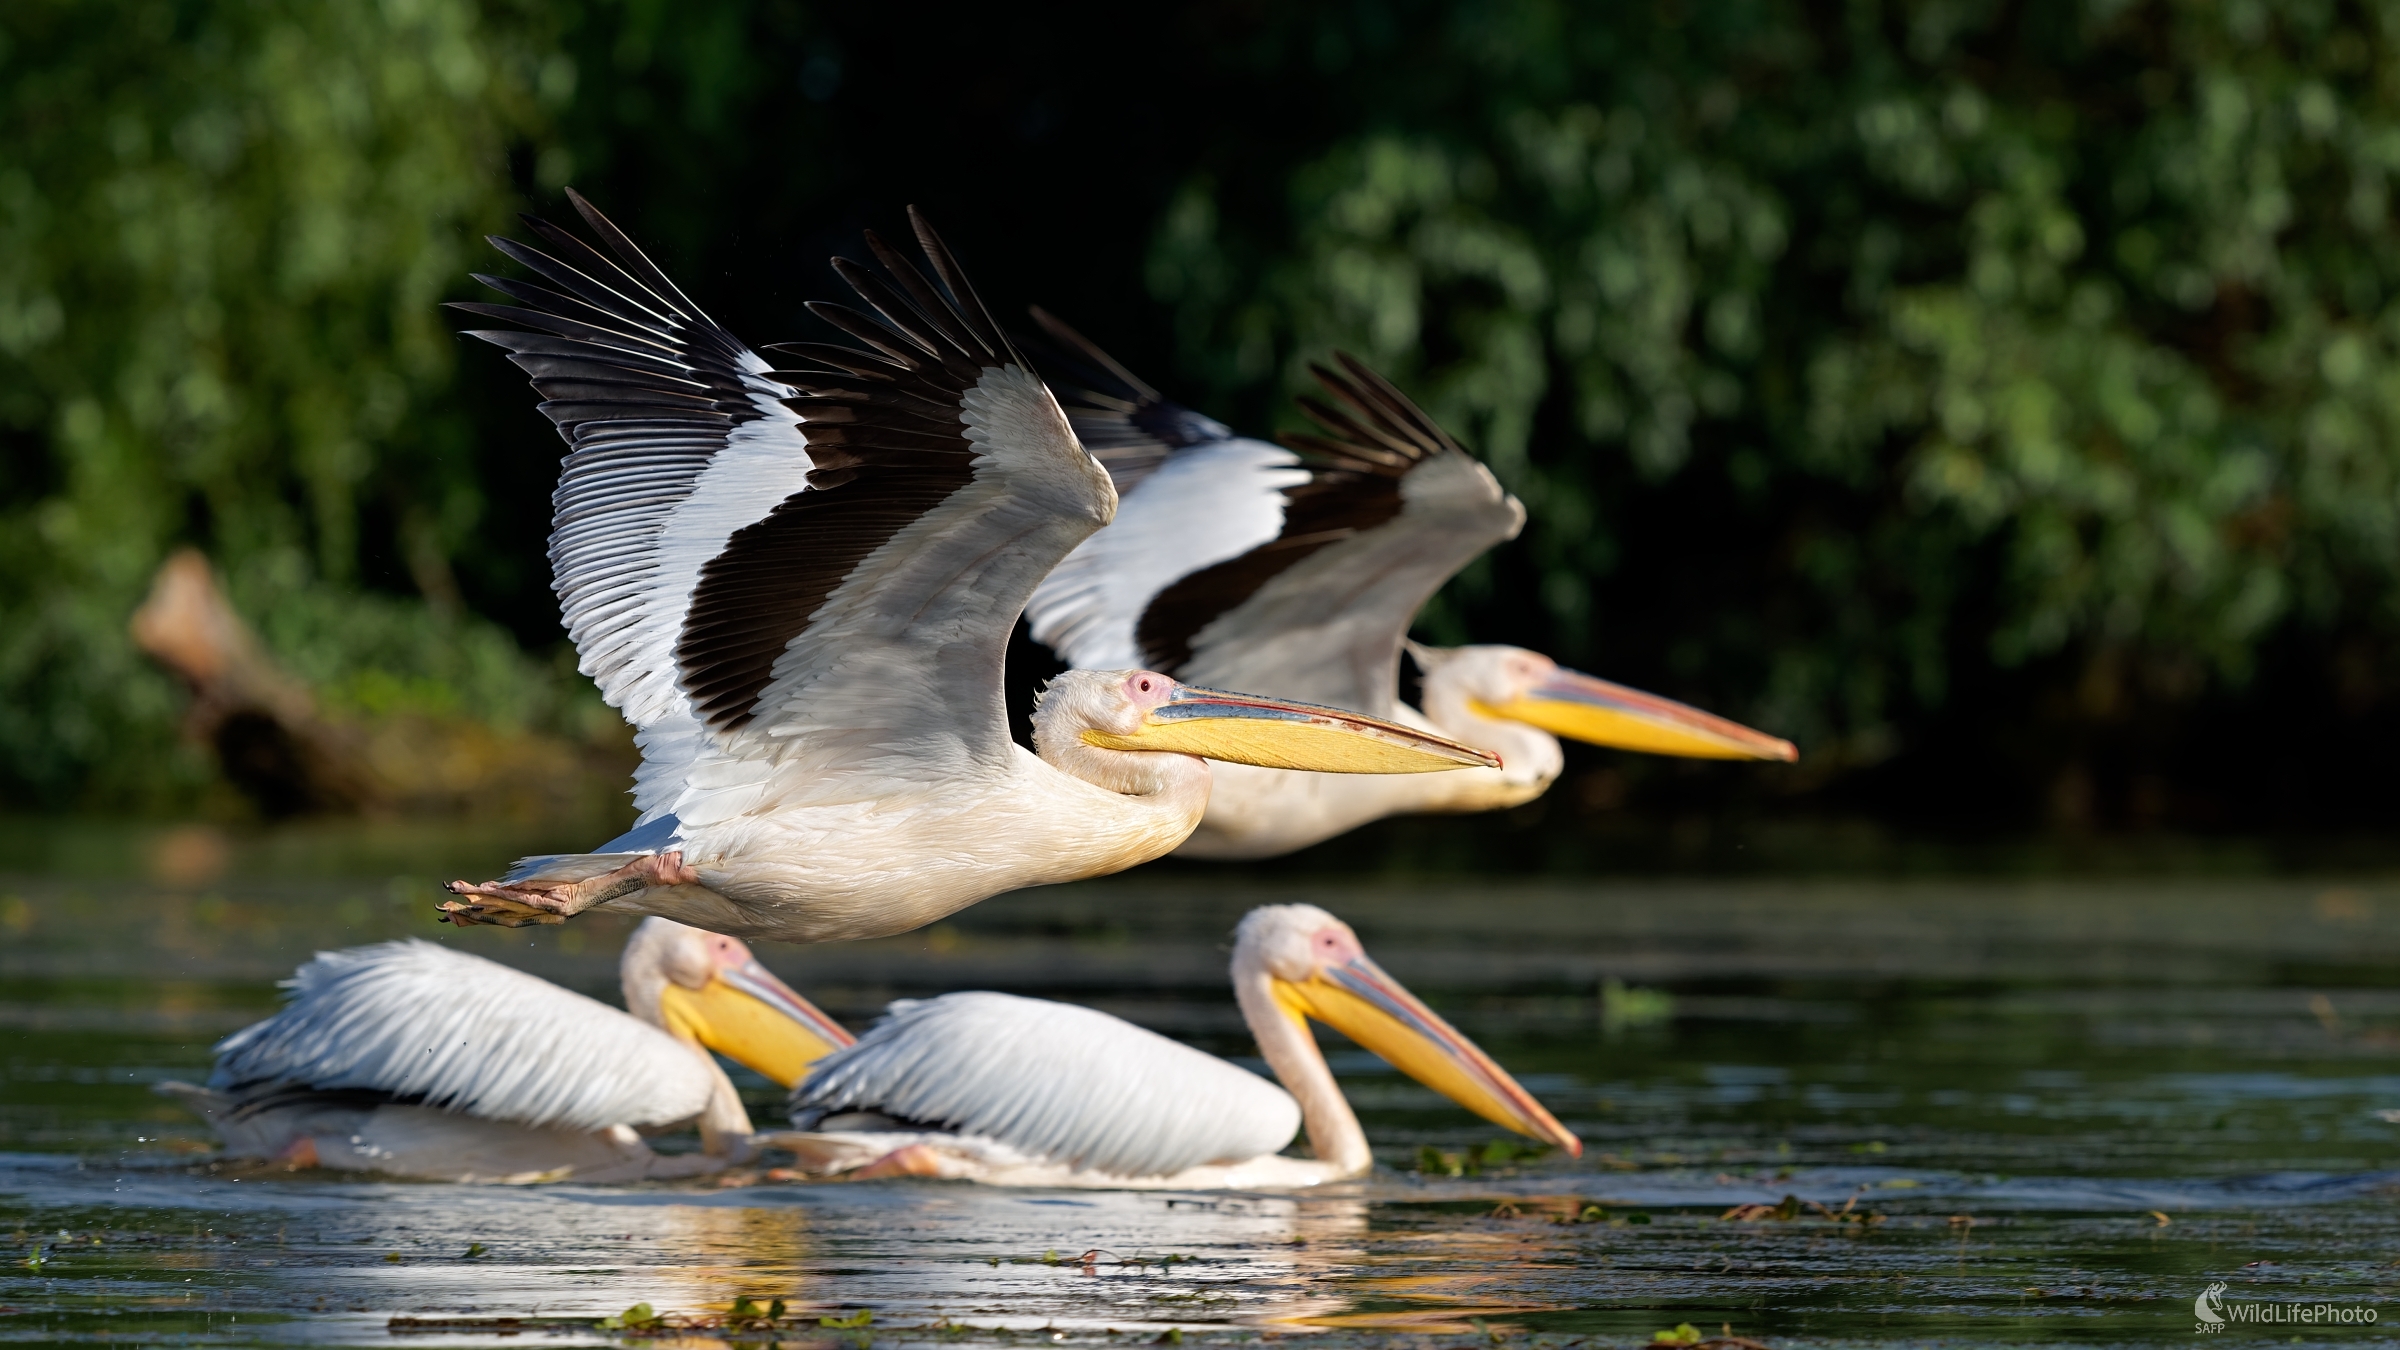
(2000, 1111)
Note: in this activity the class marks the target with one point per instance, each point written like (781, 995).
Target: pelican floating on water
(1021, 1092)
(799, 586)
(1238, 562)
(413, 1059)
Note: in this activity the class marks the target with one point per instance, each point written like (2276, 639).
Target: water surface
(2003, 1111)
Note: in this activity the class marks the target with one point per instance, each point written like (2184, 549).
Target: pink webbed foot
(516, 904)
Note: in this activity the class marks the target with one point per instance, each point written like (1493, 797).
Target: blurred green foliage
(224, 231)
(2009, 332)
(1943, 379)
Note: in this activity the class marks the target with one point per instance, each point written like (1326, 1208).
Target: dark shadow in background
(745, 143)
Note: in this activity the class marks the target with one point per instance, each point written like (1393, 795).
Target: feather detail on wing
(678, 440)
(427, 1024)
(1127, 425)
(780, 575)
(1057, 1082)
(1248, 566)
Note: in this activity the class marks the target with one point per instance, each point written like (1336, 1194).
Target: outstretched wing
(678, 439)
(788, 578)
(428, 1024)
(1059, 1082)
(1292, 570)
(1191, 494)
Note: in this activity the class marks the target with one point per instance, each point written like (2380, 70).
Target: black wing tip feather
(1392, 401)
(1383, 426)
(1060, 331)
(963, 296)
(948, 320)
(1129, 425)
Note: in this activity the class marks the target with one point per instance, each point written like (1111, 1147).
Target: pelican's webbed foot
(516, 904)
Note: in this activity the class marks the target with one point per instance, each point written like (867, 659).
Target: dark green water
(2071, 1108)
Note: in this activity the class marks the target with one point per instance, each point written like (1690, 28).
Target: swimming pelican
(1020, 1092)
(413, 1059)
(1234, 561)
(799, 586)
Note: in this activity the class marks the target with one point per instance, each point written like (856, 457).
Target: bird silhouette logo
(2210, 1306)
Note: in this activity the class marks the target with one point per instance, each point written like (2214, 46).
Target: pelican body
(1022, 1092)
(1299, 568)
(412, 1059)
(798, 585)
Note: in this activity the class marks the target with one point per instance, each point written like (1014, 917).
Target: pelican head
(1296, 962)
(1494, 693)
(1125, 730)
(707, 990)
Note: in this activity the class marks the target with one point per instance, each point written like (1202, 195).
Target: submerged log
(261, 722)
(277, 744)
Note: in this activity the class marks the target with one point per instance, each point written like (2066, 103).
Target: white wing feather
(625, 577)
(1057, 1082)
(1329, 628)
(669, 546)
(468, 1035)
(1202, 505)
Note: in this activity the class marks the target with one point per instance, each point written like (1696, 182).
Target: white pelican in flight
(413, 1059)
(798, 585)
(1020, 1092)
(1234, 561)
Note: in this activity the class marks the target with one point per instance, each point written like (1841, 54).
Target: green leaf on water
(475, 1249)
(863, 1317)
(34, 1259)
(391, 1258)
(1622, 1007)
(1050, 1257)
(1683, 1334)
(1871, 1146)
(632, 1319)
(1171, 1336)
(1433, 1162)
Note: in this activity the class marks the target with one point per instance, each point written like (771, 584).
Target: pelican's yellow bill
(1595, 711)
(1279, 734)
(754, 1019)
(1357, 999)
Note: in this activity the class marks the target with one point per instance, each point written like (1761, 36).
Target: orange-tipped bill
(1357, 999)
(1280, 734)
(1583, 708)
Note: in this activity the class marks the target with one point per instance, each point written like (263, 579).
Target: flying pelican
(799, 587)
(1020, 1092)
(413, 1059)
(1236, 561)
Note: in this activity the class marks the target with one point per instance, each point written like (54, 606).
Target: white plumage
(799, 585)
(457, 1032)
(1239, 563)
(1018, 1092)
(1231, 563)
(1054, 1082)
(1205, 504)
